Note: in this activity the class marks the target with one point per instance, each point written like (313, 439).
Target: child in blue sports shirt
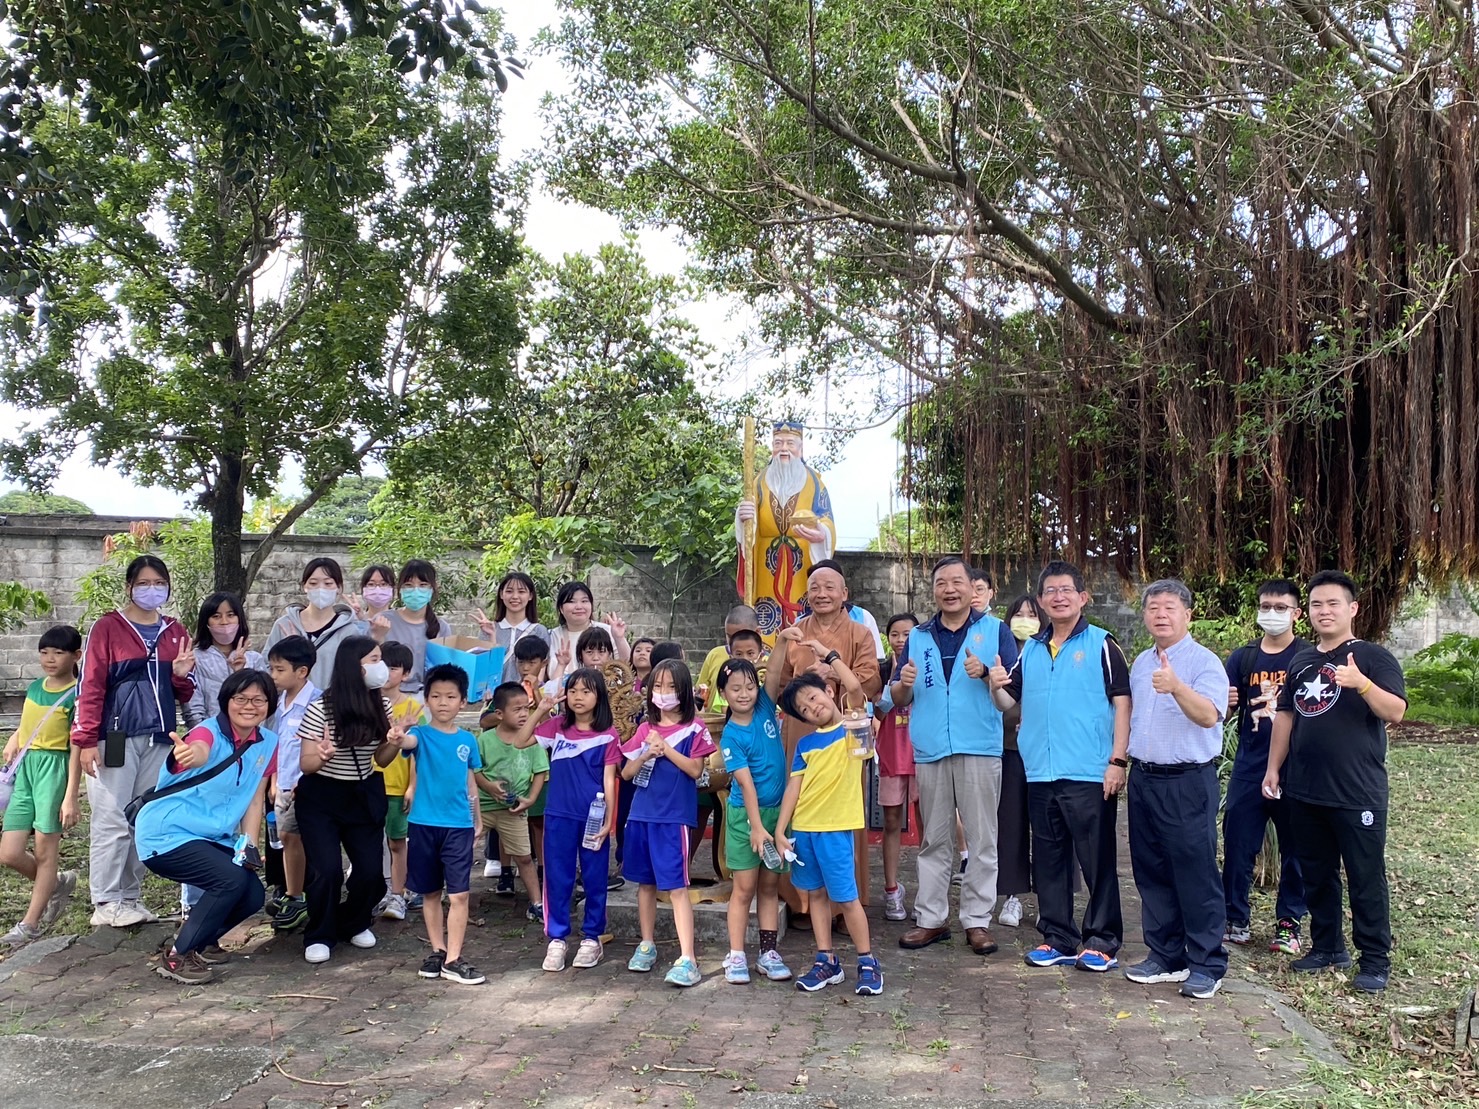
(443, 820)
(584, 752)
(674, 744)
(755, 757)
(822, 808)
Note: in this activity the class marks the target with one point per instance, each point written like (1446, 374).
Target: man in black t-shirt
(1334, 709)
(1255, 673)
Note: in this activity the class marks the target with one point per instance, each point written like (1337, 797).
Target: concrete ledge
(42, 1072)
(710, 920)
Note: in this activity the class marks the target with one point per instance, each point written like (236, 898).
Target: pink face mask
(379, 595)
(224, 633)
(665, 701)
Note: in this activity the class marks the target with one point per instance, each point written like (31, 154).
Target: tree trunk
(226, 516)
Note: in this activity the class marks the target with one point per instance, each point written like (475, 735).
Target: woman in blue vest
(190, 835)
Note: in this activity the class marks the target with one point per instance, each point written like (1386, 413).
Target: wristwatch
(1123, 764)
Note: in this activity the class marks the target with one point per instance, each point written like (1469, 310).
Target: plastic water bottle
(644, 772)
(595, 823)
(273, 840)
(770, 856)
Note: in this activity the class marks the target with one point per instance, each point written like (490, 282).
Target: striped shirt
(348, 764)
(1159, 731)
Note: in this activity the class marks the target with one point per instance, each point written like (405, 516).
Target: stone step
(710, 917)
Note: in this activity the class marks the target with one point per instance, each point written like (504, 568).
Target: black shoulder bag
(131, 810)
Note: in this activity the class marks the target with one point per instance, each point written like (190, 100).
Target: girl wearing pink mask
(376, 594)
(663, 762)
(222, 647)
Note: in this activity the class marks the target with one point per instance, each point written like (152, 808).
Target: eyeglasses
(250, 702)
(1059, 591)
(1280, 609)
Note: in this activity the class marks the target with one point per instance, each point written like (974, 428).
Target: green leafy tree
(1158, 270)
(217, 313)
(268, 74)
(345, 510)
(42, 504)
(19, 603)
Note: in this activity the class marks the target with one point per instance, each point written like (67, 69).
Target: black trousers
(1173, 853)
(1013, 828)
(334, 814)
(229, 893)
(1072, 824)
(1325, 837)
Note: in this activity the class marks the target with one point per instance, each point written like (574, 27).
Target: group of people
(1009, 741)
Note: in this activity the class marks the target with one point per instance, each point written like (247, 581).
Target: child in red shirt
(897, 786)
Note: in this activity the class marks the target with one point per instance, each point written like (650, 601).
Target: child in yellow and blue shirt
(822, 808)
(406, 711)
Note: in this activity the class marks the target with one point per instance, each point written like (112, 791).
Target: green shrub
(1443, 681)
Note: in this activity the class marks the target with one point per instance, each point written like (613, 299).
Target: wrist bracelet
(1123, 764)
(831, 657)
(1362, 691)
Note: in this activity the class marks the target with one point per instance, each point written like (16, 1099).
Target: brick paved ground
(950, 1029)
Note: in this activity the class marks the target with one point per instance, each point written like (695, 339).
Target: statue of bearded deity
(794, 530)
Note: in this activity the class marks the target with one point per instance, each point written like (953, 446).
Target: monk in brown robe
(829, 624)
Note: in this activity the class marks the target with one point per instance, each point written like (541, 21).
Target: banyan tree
(1185, 286)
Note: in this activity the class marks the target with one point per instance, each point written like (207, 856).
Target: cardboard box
(482, 661)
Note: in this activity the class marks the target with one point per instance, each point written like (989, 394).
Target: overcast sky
(858, 479)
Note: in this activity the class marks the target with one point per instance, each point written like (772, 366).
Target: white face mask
(321, 598)
(376, 674)
(1276, 623)
(665, 701)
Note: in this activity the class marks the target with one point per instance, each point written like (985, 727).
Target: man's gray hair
(743, 616)
(1174, 586)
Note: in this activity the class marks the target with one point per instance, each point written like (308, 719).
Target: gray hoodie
(326, 641)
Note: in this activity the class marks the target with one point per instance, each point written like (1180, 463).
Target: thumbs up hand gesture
(974, 667)
(1001, 677)
(1164, 680)
(1349, 675)
(188, 756)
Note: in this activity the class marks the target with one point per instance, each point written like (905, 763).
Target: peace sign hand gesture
(184, 662)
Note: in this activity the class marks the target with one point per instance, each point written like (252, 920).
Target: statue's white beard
(785, 479)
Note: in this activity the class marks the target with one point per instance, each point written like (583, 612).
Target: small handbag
(8, 773)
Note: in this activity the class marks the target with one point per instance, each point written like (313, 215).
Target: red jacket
(122, 689)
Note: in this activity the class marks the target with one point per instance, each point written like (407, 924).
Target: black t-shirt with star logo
(1338, 748)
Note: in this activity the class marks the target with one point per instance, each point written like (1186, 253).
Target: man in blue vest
(1074, 688)
(956, 731)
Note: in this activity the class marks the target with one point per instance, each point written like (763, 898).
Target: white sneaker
(393, 907)
(365, 939)
(893, 904)
(492, 868)
(317, 952)
(1011, 912)
(588, 954)
(554, 955)
(128, 913)
(105, 915)
(146, 916)
(66, 885)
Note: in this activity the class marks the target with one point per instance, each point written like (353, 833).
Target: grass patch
(1401, 1043)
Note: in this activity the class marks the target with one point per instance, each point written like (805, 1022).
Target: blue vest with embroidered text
(1067, 729)
(954, 715)
(211, 811)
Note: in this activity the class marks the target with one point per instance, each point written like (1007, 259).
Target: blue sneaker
(736, 969)
(1097, 961)
(1370, 981)
(414, 901)
(870, 976)
(684, 972)
(773, 966)
(1151, 971)
(1047, 955)
(644, 958)
(1323, 960)
(826, 971)
(1200, 986)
